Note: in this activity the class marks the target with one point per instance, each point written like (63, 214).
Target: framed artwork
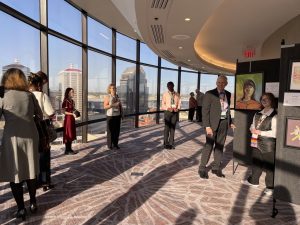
(295, 76)
(292, 135)
(248, 90)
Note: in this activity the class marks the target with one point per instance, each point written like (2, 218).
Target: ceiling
(218, 34)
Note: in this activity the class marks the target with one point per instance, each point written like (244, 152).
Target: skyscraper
(72, 77)
(127, 90)
(17, 65)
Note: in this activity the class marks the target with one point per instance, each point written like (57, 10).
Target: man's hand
(209, 131)
(175, 110)
(232, 126)
(170, 109)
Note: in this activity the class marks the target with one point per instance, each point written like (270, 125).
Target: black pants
(170, 125)
(262, 161)
(113, 130)
(216, 141)
(191, 114)
(17, 190)
(199, 114)
(45, 167)
(68, 145)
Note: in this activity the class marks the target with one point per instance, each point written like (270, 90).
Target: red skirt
(69, 129)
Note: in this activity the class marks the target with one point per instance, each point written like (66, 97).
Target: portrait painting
(292, 137)
(248, 90)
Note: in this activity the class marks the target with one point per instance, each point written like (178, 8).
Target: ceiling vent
(159, 4)
(168, 54)
(158, 34)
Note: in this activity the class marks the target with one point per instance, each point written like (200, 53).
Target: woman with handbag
(36, 87)
(19, 159)
(69, 133)
(113, 107)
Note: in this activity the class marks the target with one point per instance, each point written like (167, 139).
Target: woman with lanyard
(263, 143)
(113, 107)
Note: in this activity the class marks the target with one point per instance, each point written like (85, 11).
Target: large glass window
(230, 87)
(22, 6)
(126, 47)
(208, 82)
(99, 77)
(65, 70)
(147, 55)
(167, 64)
(18, 51)
(99, 36)
(148, 94)
(65, 19)
(188, 85)
(166, 76)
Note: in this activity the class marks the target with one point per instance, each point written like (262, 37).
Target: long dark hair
(67, 92)
(249, 83)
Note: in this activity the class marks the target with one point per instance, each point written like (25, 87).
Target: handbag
(76, 113)
(40, 126)
(51, 132)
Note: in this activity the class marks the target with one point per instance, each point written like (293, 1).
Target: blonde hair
(109, 86)
(14, 79)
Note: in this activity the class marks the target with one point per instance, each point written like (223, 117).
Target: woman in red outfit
(68, 106)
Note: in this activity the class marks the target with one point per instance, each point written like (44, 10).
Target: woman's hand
(255, 131)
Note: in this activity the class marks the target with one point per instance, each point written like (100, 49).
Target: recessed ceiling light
(187, 19)
(180, 47)
(203, 67)
(180, 36)
(189, 60)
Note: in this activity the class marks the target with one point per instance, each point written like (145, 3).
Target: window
(147, 55)
(167, 64)
(148, 95)
(208, 82)
(99, 36)
(166, 76)
(230, 87)
(22, 6)
(65, 70)
(188, 84)
(65, 19)
(126, 47)
(17, 51)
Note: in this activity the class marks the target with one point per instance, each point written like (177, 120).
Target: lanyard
(261, 119)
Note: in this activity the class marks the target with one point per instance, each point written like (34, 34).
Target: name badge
(254, 138)
(116, 110)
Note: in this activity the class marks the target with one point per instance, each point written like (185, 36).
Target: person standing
(19, 157)
(199, 98)
(263, 143)
(113, 107)
(36, 82)
(69, 132)
(192, 106)
(216, 120)
(171, 104)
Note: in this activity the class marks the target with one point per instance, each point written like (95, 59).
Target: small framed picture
(248, 90)
(292, 135)
(295, 75)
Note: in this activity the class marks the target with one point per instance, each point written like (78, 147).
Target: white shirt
(44, 103)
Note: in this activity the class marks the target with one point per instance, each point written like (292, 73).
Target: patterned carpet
(144, 184)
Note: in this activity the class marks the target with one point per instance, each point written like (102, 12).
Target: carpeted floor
(144, 184)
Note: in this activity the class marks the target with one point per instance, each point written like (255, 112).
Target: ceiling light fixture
(189, 60)
(187, 19)
(180, 47)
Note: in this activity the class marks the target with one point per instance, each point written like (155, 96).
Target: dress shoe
(203, 174)
(171, 147)
(71, 152)
(117, 147)
(33, 207)
(218, 173)
(47, 187)
(21, 213)
(166, 146)
(110, 148)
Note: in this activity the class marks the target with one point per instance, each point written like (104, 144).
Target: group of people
(195, 104)
(217, 120)
(24, 154)
(24, 159)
